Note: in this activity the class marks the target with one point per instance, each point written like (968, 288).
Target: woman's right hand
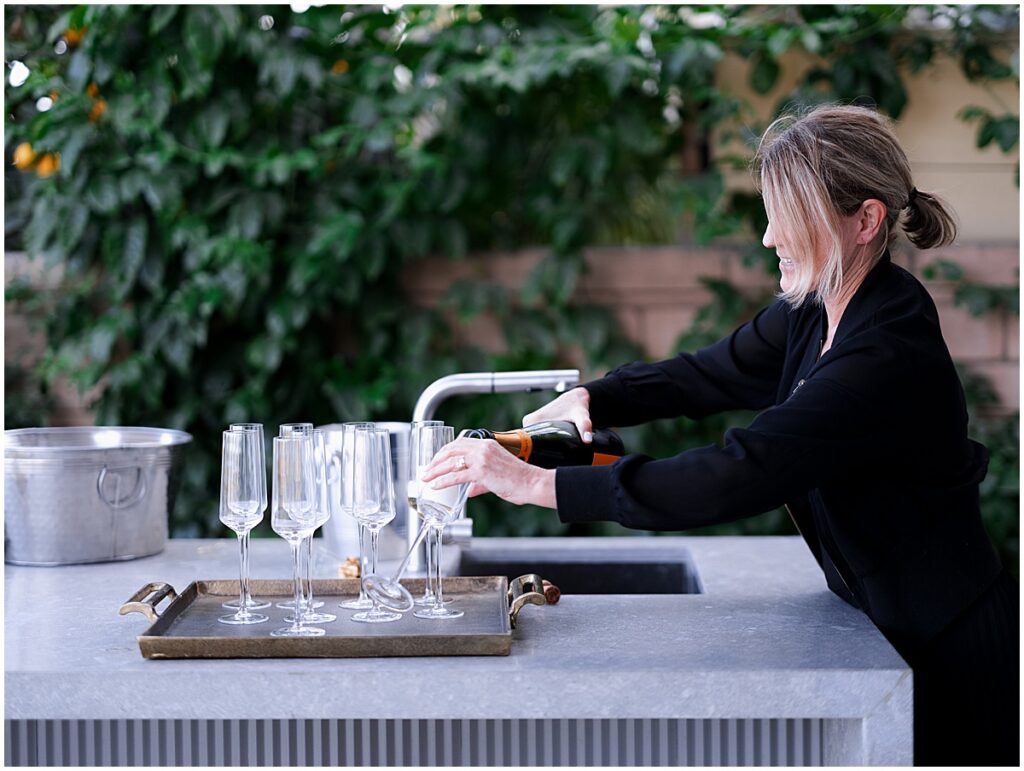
(573, 405)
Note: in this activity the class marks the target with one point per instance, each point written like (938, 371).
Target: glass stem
(362, 560)
(308, 598)
(428, 587)
(438, 595)
(424, 529)
(242, 574)
(297, 582)
(374, 535)
(244, 600)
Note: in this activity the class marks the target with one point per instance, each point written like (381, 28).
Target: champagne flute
(288, 429)
(250, 602)
(293, 514)
(436, 507)
(349, 462)
(322, 512)
(416, 466)
(378, 474)
(240, 507)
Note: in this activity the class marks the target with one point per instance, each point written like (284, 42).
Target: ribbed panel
(413, 742)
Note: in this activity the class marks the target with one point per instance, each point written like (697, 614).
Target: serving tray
(188, 627)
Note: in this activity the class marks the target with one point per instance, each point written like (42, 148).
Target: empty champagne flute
(241, 506)
(322, 471)
(247, 600)
(349, 461)
(416, 465)
(378, 474)
(287, 429)
(437, 508)
(293, 514)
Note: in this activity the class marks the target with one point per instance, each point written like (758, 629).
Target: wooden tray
(188, 627)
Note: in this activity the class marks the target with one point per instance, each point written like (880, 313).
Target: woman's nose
(769, 239)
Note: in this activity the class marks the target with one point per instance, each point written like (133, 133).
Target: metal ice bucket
(341, 535)
(89, 494)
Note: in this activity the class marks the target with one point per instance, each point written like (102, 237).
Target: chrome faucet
(558, 380)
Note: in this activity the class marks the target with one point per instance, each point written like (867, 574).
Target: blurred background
(285, 213)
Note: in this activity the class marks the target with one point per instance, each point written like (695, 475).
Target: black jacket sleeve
(821, 431)
(740, 371)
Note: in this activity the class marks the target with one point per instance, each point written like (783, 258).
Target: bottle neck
(517, 442)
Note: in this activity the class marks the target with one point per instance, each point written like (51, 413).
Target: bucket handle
(136, 495)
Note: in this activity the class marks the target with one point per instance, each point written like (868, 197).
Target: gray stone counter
(764, 645)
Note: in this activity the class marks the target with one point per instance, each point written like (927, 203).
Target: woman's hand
(573, 405)
(488, 467)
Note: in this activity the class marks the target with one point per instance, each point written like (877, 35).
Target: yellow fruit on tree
(74, 35)
(92, 90)
(24, 155)
(98, 108)
(49, 164)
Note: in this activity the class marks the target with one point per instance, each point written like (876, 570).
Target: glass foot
(302, 631)
(252, 604)
(290, 604)
(313, 618)
(438, 612)
(363, 603)
(244, 618)
(425, 601)
(376, 616)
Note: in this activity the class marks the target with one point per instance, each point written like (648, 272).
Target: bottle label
(600, 459)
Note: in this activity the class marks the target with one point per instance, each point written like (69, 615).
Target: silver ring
(460, 463)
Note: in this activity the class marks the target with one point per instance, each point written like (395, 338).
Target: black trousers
(967, 685)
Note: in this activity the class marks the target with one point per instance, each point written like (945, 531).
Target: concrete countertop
(764, 639)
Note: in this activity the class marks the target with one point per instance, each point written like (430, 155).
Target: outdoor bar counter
(763, 666)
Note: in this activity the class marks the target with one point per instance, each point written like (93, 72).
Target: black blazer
(866, 445)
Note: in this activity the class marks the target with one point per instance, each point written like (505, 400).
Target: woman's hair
(815, 168)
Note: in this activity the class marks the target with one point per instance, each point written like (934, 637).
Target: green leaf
(102, 194)
(161, 17)
(764, 73)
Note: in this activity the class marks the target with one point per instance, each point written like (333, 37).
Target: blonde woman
(862, 434)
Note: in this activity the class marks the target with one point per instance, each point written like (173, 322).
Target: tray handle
(527, 589)
(142, 602)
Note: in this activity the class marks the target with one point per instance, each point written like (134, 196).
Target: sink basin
(590, 570)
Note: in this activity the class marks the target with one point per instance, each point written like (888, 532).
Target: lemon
(24, 155)
(49, 164)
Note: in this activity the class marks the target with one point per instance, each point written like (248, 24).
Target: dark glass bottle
(555, 443)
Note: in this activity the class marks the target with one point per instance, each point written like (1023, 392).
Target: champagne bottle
(555, 443)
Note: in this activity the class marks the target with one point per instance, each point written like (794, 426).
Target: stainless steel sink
(589, 570)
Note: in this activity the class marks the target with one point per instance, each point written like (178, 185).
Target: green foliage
(241, 189)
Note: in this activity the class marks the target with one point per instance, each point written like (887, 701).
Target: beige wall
(978, 183)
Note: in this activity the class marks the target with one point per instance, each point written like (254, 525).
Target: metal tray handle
(528, 589)
(142, 602)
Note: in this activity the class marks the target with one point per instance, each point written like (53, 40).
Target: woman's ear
(870, 219)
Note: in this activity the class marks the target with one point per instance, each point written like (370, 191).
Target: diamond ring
(460, 463)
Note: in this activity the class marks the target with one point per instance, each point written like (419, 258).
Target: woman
(862, 434)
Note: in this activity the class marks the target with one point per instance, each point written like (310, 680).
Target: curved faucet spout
(491, 383)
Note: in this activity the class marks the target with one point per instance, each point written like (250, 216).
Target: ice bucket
(89, 494)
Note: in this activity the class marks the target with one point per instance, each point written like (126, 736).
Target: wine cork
(350, 568)
(551, 592)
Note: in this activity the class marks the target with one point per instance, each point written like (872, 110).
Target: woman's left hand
(488, 467)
